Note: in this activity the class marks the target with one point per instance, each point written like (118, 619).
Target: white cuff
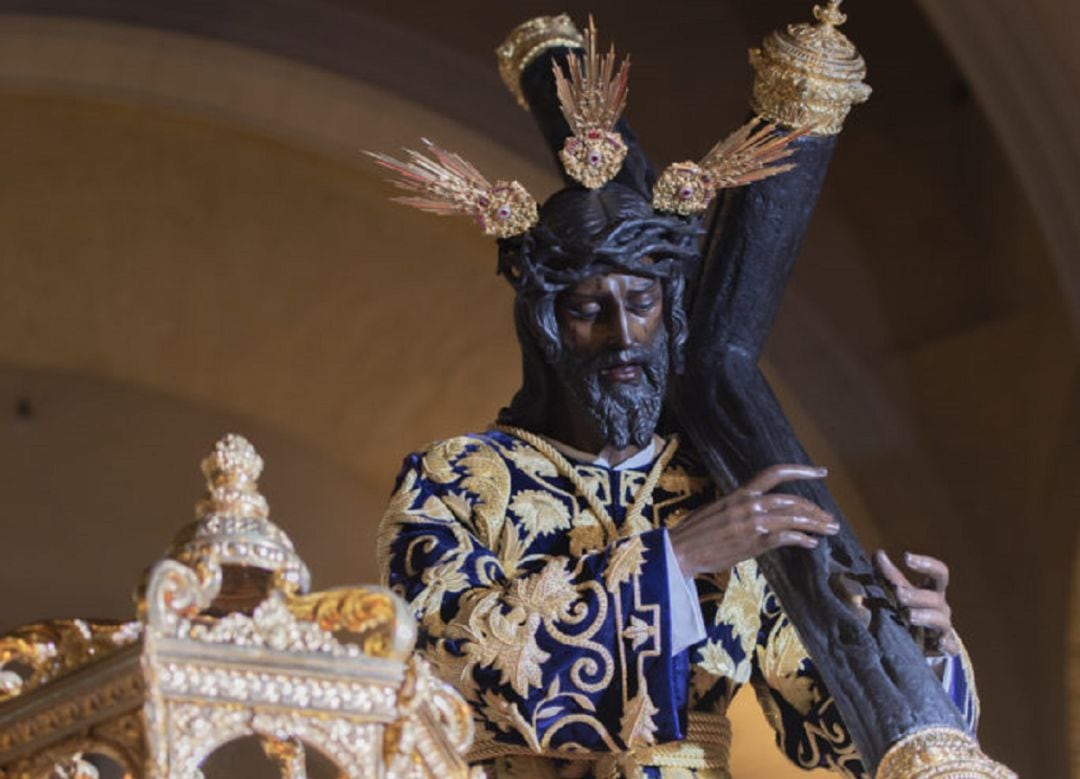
(942, 666)
(687, 624)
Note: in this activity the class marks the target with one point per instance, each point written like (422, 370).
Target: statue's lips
(623, 372)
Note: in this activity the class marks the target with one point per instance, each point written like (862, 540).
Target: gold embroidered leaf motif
(540, 512)
(637, 727)
(582, 700)
(459, 507)
(396, 513)
(510, 549)
(639, 631)
(488, 478)
(434, 508)
(504, 642)
(402, 500)
(625, 563)
(587, 535)
(676, 481)
(716, 661)
(701, 682)
(547, 594)
(506, 716)
(438, 462)
(439, 581)
(780, 660)
(741, 606)
(454, 669)
(531, 462)
(555, 691)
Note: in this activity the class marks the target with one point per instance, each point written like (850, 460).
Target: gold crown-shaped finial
(830, 14)
(232, 524)
(809, 75)
(232, 471)
(234, 459)
(528, 41)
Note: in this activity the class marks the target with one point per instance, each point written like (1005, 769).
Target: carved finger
(892, 574)
(920, 599)
(774, 476)
(791, 504)
(934, 619)
(821, 523)
(757, 503)
(800, 508)
(789, 538)
(936, 572)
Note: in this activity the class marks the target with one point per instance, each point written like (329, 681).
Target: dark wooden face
(610, 312)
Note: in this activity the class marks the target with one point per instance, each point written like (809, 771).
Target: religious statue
(602, 570)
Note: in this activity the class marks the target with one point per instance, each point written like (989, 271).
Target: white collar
(639, 460)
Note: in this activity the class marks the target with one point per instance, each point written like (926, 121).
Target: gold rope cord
(567, 469)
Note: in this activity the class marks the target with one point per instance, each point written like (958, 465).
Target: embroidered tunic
(541, 591)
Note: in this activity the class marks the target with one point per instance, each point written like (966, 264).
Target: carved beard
(622, 413)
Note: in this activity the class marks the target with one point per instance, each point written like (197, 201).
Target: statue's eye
(643, 302)
(586, 309)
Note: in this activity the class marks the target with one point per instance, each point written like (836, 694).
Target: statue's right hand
(748, 522)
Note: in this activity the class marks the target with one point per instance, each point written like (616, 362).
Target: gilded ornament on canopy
(230, 645)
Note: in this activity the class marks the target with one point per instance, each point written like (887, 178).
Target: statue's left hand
(926, 603)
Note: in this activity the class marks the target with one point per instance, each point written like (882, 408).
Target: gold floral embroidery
(506, 716)
(741, 608)
(625, 562)
(508, 606)
(676, 483)
(638, 632)
(541, 513)
(716, 661)
(510, 549)
(459, 507)
(586, 535)
(531, 462)
(400, 503)
(548, 593)
(637, 726)
(780, 660)
(826, 743)
(504, 642)
(439, 459)
(440, 580)
(701, 683)
(487, 477)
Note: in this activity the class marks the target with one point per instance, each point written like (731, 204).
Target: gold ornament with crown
(809, 75)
